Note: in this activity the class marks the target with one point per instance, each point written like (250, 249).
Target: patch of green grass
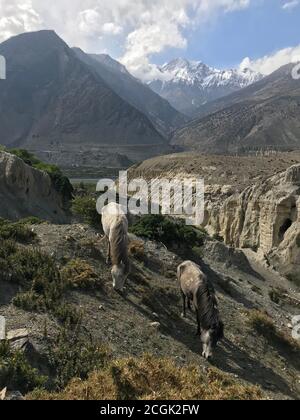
(72, 355)
(16, 372)
(171, 232)
(20, 231)
(67, 314)
(42, 287)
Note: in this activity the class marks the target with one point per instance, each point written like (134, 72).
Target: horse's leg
(183, 304)
(108, 259)
(198, 323)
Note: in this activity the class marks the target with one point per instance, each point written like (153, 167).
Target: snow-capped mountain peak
(189, 84)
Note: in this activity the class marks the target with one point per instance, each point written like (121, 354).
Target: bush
(18, 231)
(67, 314)
(15, 372)
(85, 208)
(74, 356)
(149, 378)
(35, 272)
(136, 249)
(171, 232)
(79, 274)
(294, 278)
(264, 325)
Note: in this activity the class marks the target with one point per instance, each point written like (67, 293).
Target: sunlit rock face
(25, 191)
(266, 218)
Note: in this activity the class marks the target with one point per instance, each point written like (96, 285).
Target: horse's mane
(119, 244)
(207, 306)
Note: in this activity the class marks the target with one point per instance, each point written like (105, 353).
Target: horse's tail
(119, 245)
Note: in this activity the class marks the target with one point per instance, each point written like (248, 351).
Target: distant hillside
(265, 115)
(165, 118)
(51, 100)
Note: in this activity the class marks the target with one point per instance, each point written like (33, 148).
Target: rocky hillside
(264, 116)
(51, 100)
(164, 117)
(190, 85)
(257, 351)
(251, 202)
(25, 192)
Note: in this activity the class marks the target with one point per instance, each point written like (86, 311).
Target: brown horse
(196, 288)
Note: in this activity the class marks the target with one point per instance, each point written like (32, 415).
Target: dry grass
(79, 274)
(136, 249)
(263, 324)
(149, 378)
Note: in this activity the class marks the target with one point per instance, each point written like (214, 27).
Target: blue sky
(142, 33)
(257, 31)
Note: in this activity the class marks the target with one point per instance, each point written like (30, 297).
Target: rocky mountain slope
(165, 118)
(51, 100)
(251, 202)
(263, 116)
(146, 319)
(189, 85)
(26, 192)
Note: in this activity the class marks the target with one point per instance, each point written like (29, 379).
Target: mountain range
(189, 85)
(52, 100)
(158, 110)
(263, 116)
(59, 101)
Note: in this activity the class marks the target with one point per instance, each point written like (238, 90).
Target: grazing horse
(115, 227)
(196, 288)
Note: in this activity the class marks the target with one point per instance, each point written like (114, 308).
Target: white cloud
(17, 17)
(140, 27)
(266, 65)
(289, 5)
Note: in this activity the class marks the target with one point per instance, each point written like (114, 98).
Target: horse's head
(119, 275)
(210, 339)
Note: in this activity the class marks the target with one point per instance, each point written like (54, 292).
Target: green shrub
(85, 208)
(171, 232)
(294, 278)
(35, 272)
(67, 314)
(16, 372)
(17, 231)
(73, 356)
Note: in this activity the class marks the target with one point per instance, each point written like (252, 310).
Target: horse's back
(113, 215)
(190, 277)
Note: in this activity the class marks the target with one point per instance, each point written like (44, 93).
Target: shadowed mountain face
(165, 118)
(263, 116)
(52, 100)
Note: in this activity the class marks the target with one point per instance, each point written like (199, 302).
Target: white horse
(115, 227)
